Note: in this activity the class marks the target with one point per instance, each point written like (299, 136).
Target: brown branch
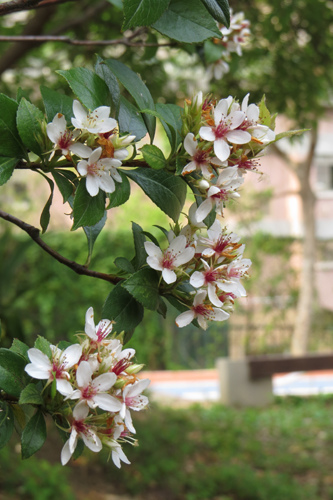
(64, 39)
(19, 5)
(34, 232)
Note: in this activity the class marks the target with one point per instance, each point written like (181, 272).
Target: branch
(19, 5)
(65, 39)
(33, 232)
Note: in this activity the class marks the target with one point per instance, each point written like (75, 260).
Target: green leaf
(213, 52)
(87, 86)
(88, 210)
(138, 90)
(92, 233)
(187, 21)
(166, 190)
(122, 308)
(104, 72)
(65, 179)
(124, 264)
(20, 348)
(12, 374)
(33, 435)
(45, 215)
(170, 116)
(140, 253)
(153, 156)
(43, 345)
(219, 9)
(7, 166)
(30, 396)
(10, 144)
(289, 133)
(130, 120)
(264, 114)
(122, 192)
(29, 125)
(54, 103)
(6, 423)
(22, 93)
(143, 286)
(162, 308)
(142, 12)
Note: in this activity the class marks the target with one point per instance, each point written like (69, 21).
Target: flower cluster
(233, 38)
(98, 384)
(222, 142)
(95, 140)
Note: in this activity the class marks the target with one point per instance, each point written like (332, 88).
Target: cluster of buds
(95, 382)
(233, 38)
(222, 142)
(96, 141)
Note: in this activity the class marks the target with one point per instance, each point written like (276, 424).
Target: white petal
(95, 155)
(169, 276)
(71, 356)
(128, 422)
(199, 297)
(81, 411)
(177, 245)
(38, 372)
(221, 111)
(65, 453)
(138, 387)
(107, 402)
(213, 296)
(92, 185)
(252, 112)
(236, 118)
(238, 136)
(79, 112)
(39, 359)
(190, 167)
(80, 149)
(218, 315)
(190, 144)
(82, 167)
(202, 322)
(83, 374)
(106, 183)
(89, 327)
(64, 387)
(207, 134)
(197, 279)
(153, 250)
(185, 256)
(185, 318)
(221, 149)
(204, 209)
(104, 382)
(91, 440)
(154, 263)
(117, 455)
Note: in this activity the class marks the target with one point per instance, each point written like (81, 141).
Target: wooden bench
(248, 381)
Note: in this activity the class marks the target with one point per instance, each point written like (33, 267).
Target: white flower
(200, 159)
(94, 391)
(225, 188)
(225, 129)
(99, 172)
(64, 138)
(133, 399)
(258, 131)
(43, 368)
(80, 429)
(96, 122)
(174, 256)
(202, 312)
(218, 69)
(101, 331)
(117, 454)
(219, 244)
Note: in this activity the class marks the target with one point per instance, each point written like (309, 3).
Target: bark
(302, 328)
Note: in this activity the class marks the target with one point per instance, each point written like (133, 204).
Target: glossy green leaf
(122, 192)
(30, 396)
(166, 190)
(138, 90)
(45, 215)
(6, 423)
(92, 233)
(143, 286)
(33, 435)
(124, 264)
(65, 179)
(187, 21)
(90, 89)
(10, 144)
(130, 120)
(219, 9)
(43, 345)
(104, 72)
(121, 307)
(153, 156)
(12, 374)
(140, 253)
(29, 125)
(54, 103)
(20, 348)
(7, 166)
(87, 210)
(142, 12)
(170, 116)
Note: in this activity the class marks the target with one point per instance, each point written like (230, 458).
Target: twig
(34, 232)
(19, 5)
(65, 39)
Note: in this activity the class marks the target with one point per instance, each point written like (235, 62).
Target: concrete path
(203, 385)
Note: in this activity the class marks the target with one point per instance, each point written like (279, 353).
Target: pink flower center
(80, 426)
(210, 275)
(221, 244)
(121, 366)
(92, 169)
(221, 195)
(88, 392)
(221, 130)
(168, 261)
(65, 140)
(57, 370)
(200, 157)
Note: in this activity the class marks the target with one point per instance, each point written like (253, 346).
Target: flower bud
(133, 369)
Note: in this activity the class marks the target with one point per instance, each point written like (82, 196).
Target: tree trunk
(302, 328)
